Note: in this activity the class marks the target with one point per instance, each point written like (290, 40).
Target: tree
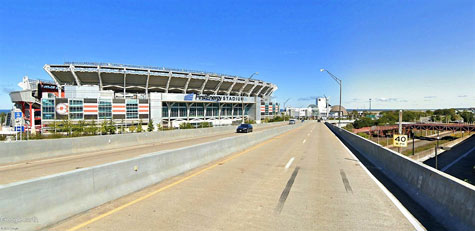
(150, 126)
(139, 126)
(91, 128)
(2, 117)
(363, 122)
(111, 127)
(79, 128)
(132, 128)
(468, 117)
(122, 129)
(104, 127)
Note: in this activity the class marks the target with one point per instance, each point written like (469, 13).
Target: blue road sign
(18, 115)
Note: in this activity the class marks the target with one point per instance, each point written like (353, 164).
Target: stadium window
(174, 111)
(47, 108)
(105, 109)
(200, 109)
(75, 109)
(164, 110)
(131, 109)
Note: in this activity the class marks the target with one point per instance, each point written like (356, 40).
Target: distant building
(323, 107)
(335, 109)
(306, 112)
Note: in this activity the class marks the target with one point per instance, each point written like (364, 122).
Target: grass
(432, 145)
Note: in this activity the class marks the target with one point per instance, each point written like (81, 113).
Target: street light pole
(242, 98)
(339, 83)
(285, 109)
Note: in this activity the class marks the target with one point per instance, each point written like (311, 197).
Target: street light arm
(333, 76)
(255, 73)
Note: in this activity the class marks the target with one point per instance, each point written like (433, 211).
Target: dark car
(244, 128)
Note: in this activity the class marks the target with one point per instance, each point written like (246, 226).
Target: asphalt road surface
(36, 168)
(304, 179)
(459, 161)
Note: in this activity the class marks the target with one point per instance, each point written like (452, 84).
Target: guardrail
(53, 198)
(450, 200)
(37, 149)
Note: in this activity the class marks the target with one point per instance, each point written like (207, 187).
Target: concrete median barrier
(450, 200)
(53, 198)
(37, 149)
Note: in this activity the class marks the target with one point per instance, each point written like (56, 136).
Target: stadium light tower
(242, 98)
(339, 83)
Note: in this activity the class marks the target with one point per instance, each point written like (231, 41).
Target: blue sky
(402, 54)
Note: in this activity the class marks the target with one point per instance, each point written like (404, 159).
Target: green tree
(139, 126)
(67, 126)
(104, 127)
(91, 128)
(150, 126)
(363, 122)
(468, 117)
(111, 127)
(2, 117)
(122, 128)
(132, 128)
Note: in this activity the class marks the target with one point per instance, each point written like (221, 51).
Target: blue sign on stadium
(189, 97)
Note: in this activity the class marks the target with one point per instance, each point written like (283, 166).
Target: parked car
(292, 121)
(244, 128)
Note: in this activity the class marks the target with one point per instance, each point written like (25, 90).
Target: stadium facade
(129, 95)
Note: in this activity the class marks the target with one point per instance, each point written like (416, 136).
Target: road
(304, 179)
(32, 169)
(458, 161)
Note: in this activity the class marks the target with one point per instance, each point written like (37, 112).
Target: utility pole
(413, 141)
(400, 128)
(370, 106)
(436, 148)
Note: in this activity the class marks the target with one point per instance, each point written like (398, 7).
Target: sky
(401, 54)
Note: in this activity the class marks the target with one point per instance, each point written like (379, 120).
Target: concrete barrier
(450, 200)
(36, 149)
(53, 198)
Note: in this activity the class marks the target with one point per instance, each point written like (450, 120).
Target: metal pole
(413, 145)
(339, 110)
(436, 148)
(400, 122)
(242, 108)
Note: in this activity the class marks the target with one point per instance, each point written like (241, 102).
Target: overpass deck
(431, 126)
(304, 179)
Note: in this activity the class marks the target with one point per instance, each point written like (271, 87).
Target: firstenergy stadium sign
(218, 98)
(208, 98)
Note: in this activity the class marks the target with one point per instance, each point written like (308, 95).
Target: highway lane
(36, 168)
(458, 161)
(304, 179)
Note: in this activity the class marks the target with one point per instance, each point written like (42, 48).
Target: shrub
(139, 126)
(364, 135)
(150, 126)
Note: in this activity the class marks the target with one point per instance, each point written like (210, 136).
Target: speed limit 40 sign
(400, 140)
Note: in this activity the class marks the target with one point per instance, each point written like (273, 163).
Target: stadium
(127, 95)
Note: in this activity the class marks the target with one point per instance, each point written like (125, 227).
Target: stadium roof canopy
(145, 79)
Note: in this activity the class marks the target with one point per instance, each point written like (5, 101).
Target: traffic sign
(400, 140)
(18, 115)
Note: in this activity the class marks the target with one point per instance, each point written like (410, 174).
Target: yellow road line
(176, 182)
